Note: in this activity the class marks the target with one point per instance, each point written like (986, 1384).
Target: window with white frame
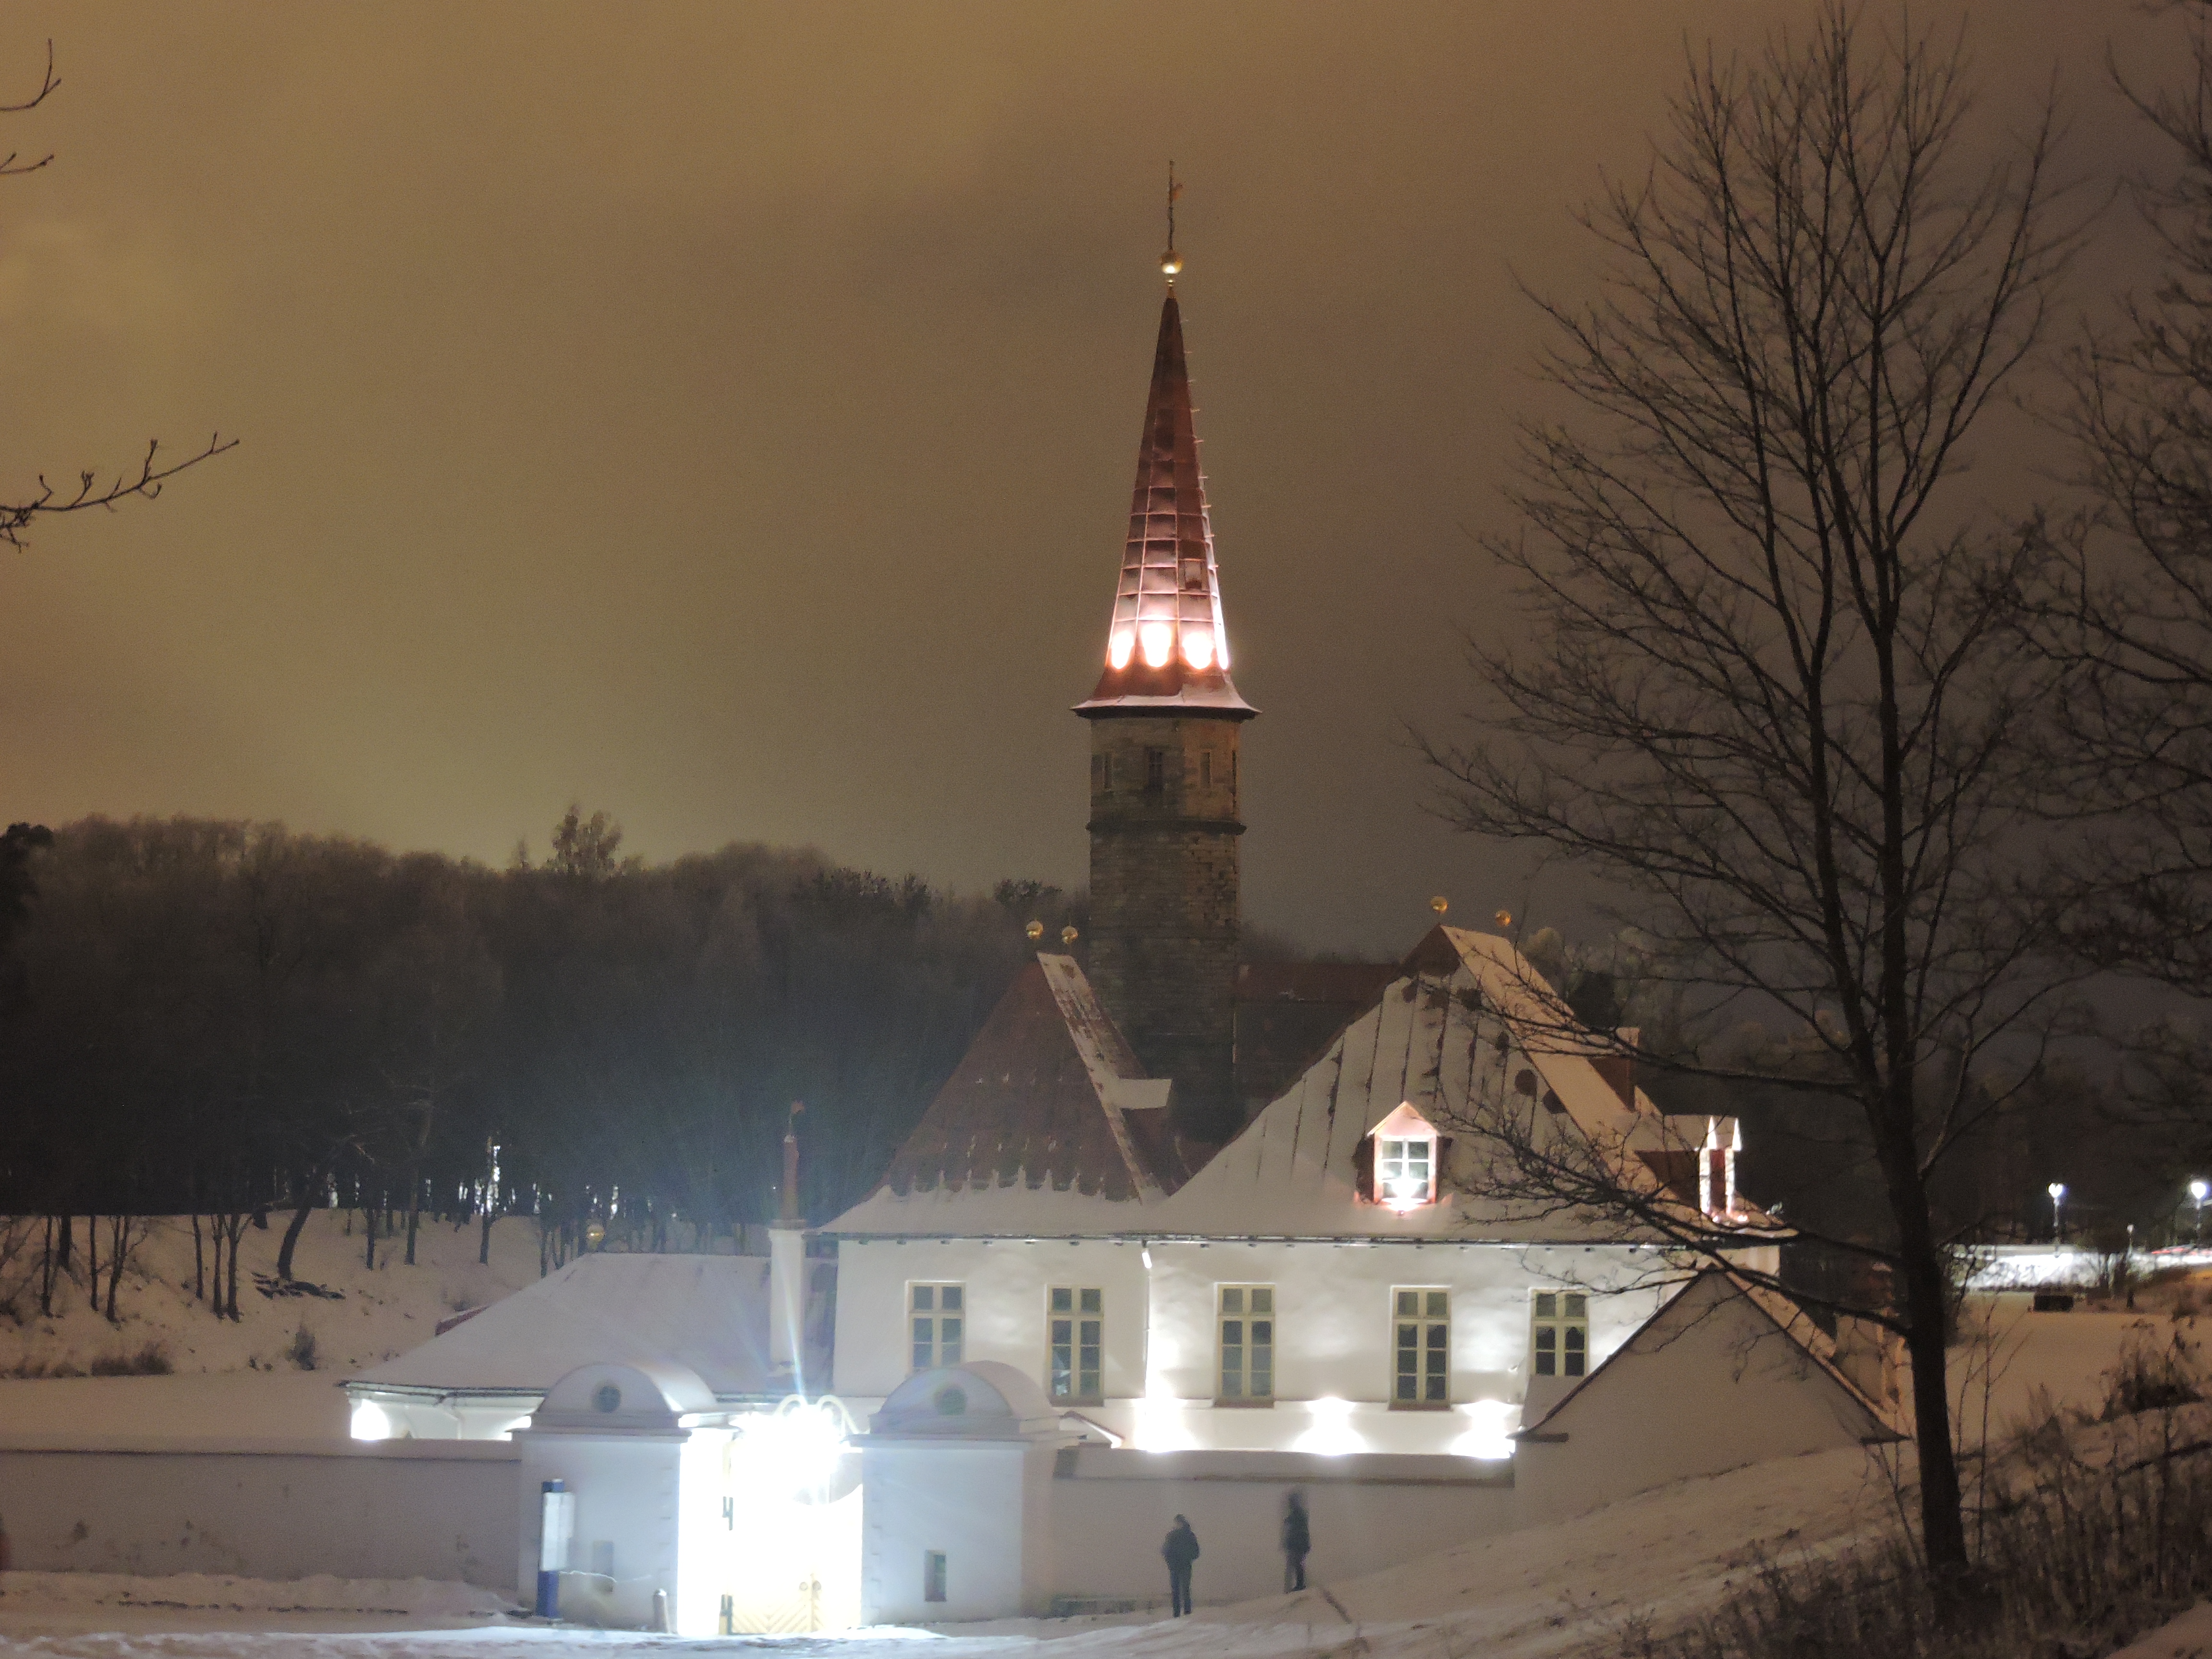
(1077, 1328)
(936, 1316)
(1422, 1320)
(1558, 1337)
(1405, 1168)
(1248, 1343)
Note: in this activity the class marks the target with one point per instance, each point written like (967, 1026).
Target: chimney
(786, 1268)
(1617, 1066)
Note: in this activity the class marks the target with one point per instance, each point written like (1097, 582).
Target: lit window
(939, 1312)
(1078, 1326)
(1248, 1342)
(1405, 1170)
(1560, 1333)
(1423, 1348)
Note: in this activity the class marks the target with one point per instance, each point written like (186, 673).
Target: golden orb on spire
(1171, 264)
(1505, 918)
(1068, 935)
(1035, 930)
(1440, 904)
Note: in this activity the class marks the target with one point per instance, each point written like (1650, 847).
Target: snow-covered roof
(1733, 1314)
(1047, 1126)
(707, 1314)
(1465, 1019)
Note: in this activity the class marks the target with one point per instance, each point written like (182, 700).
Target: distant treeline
(226, 1020)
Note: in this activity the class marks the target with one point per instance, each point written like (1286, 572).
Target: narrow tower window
(1156, 770)
(1205, 769)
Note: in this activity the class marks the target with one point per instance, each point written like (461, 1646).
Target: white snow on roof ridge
(1112, 1075)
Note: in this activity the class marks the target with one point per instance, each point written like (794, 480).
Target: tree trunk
(199, 1270)
(46, 1273)
(293, 1230)
(62, 1261)
(92, 1261)
(237, 1227)
(215, 1265)
(483, 1246)
(368, 1227)
(118, 1251)
(414, 1212)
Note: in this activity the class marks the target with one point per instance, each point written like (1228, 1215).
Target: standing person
(1298, 1541)
(1180, 1551)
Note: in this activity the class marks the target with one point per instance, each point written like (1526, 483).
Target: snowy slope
(369, 1316)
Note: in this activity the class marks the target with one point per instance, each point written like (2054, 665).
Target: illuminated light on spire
(1120, 648)
(1198, 648)
(1159, 643)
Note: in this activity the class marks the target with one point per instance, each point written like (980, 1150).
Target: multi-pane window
(1405, 1170)
(937, 1314)
(1248, 1342)
(1560, 1333)
(1078, 1326)
(1423, 1323)
(1156, 770)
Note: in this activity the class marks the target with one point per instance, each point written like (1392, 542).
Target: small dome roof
(983, 1399)
(636, 1396)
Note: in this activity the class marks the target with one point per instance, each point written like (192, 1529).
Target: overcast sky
(724, 415)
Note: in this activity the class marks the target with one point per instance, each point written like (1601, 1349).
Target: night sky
(724, 414)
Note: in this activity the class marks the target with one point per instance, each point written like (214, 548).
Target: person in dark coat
(1180, 1551)
(1297, 1542)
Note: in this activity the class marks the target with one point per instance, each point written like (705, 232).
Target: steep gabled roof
(1166, 647)
(1287, 1012)
(1049, 1124)
(1464, 1018)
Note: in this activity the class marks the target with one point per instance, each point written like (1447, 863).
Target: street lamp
(2199, 1190)
(2058, 1191)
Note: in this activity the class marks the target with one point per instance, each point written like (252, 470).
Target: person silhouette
(1180, 1551)
(1297, 1542)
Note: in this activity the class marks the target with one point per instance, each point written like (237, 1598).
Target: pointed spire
(1165, 646)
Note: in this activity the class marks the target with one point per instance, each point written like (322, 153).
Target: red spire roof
(1165, 647)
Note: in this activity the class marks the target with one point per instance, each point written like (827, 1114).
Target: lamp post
(2199, 1190)
(2058, 1191)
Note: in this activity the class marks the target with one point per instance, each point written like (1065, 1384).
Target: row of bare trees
(222, 1019)
(1866, 755)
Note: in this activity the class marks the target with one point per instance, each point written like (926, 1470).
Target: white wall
(264, 1509)
(1007, 1284)
(1112, 1509)
(978, 1502)
(628, 1490)
(1333, 1331)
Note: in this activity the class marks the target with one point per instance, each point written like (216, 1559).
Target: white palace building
(1178, 1236)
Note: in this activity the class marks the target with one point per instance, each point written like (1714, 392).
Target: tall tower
(1163, 776)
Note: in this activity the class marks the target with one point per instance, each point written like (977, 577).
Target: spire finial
(1171, 262)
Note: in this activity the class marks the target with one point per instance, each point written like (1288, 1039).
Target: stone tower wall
(1164, 902)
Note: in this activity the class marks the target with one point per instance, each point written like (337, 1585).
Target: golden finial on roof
(1068, 935)
(1171, 262)
(1440, 904)
(1504, 918)
(1035, 930)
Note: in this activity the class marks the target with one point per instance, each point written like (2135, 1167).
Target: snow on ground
(2189, 1636)
(369, 1315)
(1563, 1590)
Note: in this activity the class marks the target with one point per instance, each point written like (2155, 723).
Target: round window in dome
(606, 1398)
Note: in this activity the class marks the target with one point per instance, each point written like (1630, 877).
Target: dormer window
(1401, 1162)
(1405, 1170)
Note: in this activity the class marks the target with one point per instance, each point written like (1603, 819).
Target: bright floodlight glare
(2057, 1189)
(793, 1450)
(1198, 648)
(1487, 1435)
(2199, 1191)
(369, 1422)
(1158, 642)
(1119, 647)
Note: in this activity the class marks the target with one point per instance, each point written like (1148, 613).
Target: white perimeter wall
(1111, 1510)
(264, 1509)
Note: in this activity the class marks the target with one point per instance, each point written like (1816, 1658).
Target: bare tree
(1767, 695)
(2123, 603)
(92, 488)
